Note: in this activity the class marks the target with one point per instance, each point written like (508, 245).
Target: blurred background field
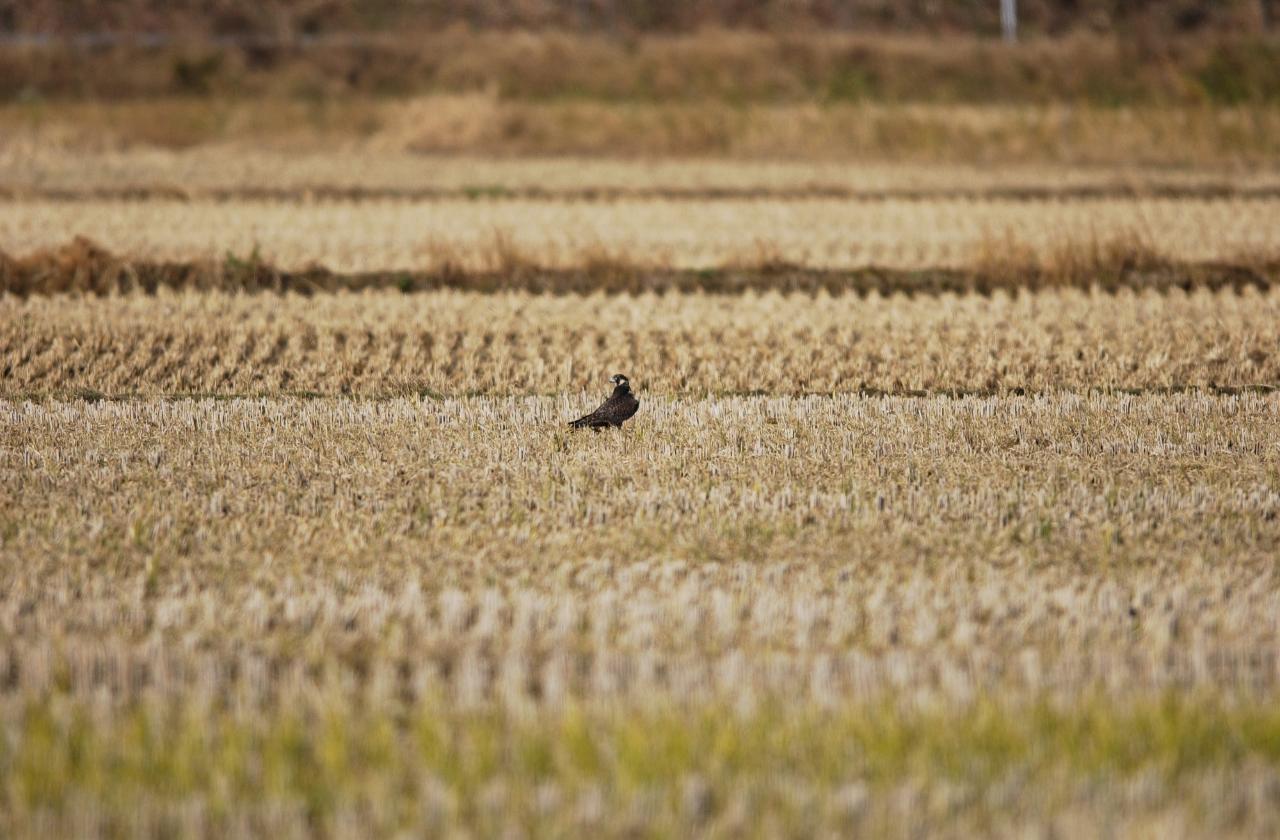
(951, 505)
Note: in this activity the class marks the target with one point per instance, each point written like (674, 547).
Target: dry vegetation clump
(1127, 261)
(83, 267)
(814, 614)
(447, 342)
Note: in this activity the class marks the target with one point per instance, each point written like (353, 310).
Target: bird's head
(620, 380)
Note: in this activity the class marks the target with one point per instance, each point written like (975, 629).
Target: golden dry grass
(478, 124)
(770, 615)
(386, 343)
(823, 233)
(230, 170)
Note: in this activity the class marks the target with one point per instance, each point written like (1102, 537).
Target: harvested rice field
(951, 508)
(413, 614)
(453, 343)
(391, 235)
(226, 172)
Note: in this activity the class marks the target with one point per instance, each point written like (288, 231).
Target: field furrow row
(447, 342)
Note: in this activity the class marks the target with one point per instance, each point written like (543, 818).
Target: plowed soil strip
(353, 193)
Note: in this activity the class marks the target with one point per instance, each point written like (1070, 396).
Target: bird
(620, 406)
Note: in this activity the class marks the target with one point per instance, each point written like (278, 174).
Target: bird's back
(620, 406)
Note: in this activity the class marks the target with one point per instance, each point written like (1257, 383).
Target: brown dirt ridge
(82, 266)
(800, 192)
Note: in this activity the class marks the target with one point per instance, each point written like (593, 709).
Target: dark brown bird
(620, 406)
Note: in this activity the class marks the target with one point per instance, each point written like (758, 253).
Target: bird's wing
(586, 419)
(605, 414)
